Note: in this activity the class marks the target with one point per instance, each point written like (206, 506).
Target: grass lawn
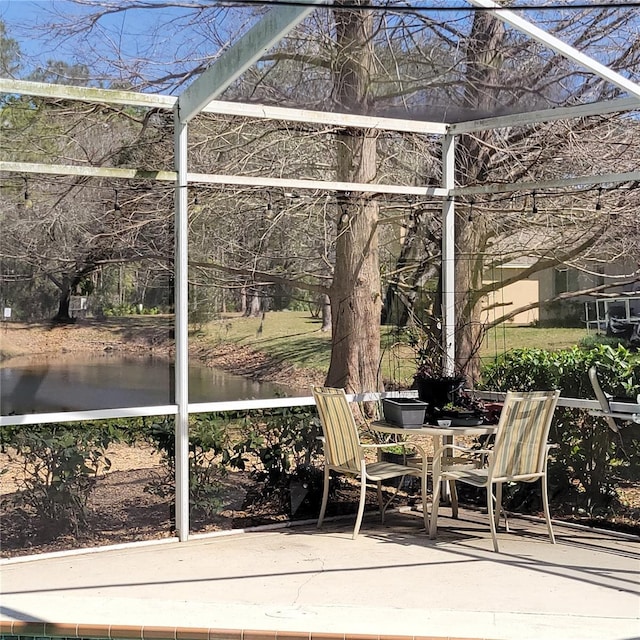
(295, 337)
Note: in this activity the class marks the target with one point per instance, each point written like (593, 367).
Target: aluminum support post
(448, 272)
(448, 255)
(181, 274)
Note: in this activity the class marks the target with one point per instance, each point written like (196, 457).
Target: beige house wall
(512, 296)
(544, 286)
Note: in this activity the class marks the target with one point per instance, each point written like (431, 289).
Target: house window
(562, 280)
(565, 280)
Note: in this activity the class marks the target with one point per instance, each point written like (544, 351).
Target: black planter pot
(437, 392)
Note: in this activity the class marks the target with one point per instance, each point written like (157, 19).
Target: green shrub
(286, 444)
(282, 439)
(278, 446)
(590, 459)
(60, 463)
(596, 339)
(208, 441)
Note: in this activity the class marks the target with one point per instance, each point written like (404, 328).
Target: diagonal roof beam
(561, 47)
(547, 115)
(578, 181)
(240, 56)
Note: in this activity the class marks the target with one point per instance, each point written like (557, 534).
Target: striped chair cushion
(520, 446)
(342, 445)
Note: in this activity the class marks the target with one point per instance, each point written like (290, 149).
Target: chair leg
(492, 519)
(391, 499)
(498, 507)
(454, 498)
(425, 511)
(433, 521)
(380, 499)
(363, 494)
(325, 496)
(545, 504)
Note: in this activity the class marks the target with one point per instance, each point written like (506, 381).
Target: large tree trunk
(469, 271)
(355, 291)
(483, 61)
(65, 285)
(326, 313)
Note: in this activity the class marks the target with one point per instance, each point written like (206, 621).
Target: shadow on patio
(301, 582)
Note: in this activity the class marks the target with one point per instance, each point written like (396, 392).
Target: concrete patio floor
(300, 582)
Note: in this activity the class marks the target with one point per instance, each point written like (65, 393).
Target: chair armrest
(455, 447)
(381, 445)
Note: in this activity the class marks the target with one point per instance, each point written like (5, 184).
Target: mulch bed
(122, 508)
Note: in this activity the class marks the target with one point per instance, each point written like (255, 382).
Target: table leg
(445, 493)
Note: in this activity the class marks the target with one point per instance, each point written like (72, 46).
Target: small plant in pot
(464, 410)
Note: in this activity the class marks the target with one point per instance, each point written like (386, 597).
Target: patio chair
(519, 454)
(344, 453)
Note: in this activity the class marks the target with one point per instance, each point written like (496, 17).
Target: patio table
(448, 435)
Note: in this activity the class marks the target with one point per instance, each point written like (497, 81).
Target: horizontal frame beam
(323, 117)
(219, 107)
(607, 178)
(240, 109)
(235, 405)
(97, 414)
(325, 185)
(315, 185)
(204, 178)
(86, 94)
(83, 170)
(166, 410)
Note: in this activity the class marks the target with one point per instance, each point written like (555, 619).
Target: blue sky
(126, 32)
(18, 16)
(133, 35)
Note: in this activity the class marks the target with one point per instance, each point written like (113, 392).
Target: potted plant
(434, 386)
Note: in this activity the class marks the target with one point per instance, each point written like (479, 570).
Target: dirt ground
(121, 508)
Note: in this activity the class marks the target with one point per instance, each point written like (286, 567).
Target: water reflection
(108, 381)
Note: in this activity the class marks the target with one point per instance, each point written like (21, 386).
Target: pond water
(108, 381)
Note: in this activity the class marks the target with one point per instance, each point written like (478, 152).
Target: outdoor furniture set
(519, 454)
